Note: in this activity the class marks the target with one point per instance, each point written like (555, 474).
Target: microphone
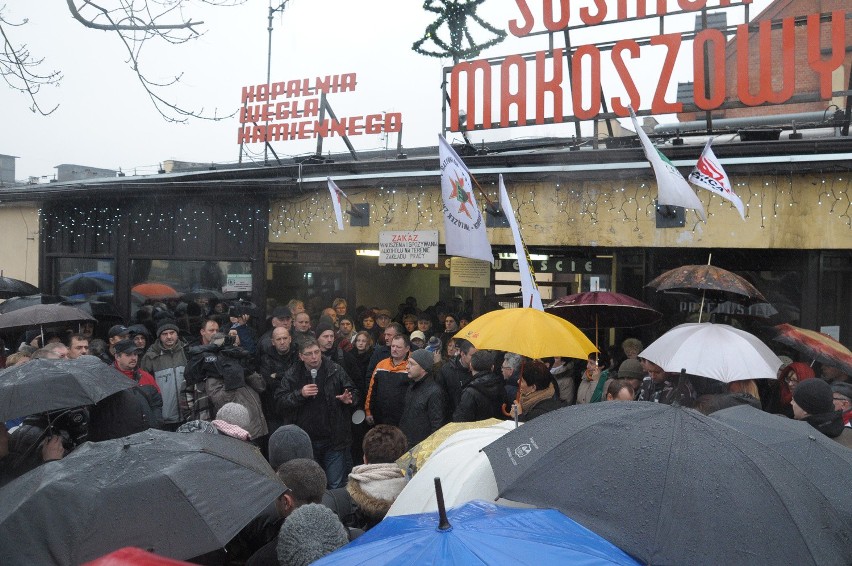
(314, 375)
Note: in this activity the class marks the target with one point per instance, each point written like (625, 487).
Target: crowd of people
(334, 398)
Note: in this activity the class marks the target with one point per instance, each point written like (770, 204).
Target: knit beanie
(630, 369)
(814, 397)
(167, 326)
(424, 358)
(288, 443)
(309, 533)
(323, 325)
(235, 414)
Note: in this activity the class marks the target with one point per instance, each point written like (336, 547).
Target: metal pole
(272, 11)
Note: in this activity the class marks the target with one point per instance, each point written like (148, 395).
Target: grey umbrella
(175, 494)
(10, 287)
(39, 316)
(17, 303)
(44, 385)
(669, 485)
(827, 463)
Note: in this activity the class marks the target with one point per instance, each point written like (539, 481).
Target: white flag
(335, 200)
(672, 188)
(708, 174)
(529, 289)
(464, 225)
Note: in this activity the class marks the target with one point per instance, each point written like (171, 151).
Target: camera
(71, 424)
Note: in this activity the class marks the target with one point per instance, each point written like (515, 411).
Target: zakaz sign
(547, 87)
(294, 110)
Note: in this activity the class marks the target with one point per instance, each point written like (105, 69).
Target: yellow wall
(19, 242)
(807, 212)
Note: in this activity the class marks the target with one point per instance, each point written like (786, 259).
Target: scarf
(598, 394)
(530, 399)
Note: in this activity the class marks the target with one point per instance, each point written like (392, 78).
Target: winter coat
(540, 408)
(482, 398)
(386, 393)
(167, 367)
(453, 377)
(587, 388)
(248, 396)
(424, 410)
(831, 425)
(374, 488)
(292, 407)
(272, 362)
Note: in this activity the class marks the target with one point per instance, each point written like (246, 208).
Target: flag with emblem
(464, 224)
(708, 174)
(335, 201)
(529, 288)
(672, 188)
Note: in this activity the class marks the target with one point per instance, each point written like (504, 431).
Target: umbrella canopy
(716, 351)
(481, 533)
(155, 291)
(129, 556)
(816, 346)
(10, 287)
(175, 494)
(45, 385)
(462, 467)
(42, 315)
(81, 285)
(528, 332)
(697, 491)
(817, 456)
(418, 454)
(17, 303)
(706, 278)
(603, 309)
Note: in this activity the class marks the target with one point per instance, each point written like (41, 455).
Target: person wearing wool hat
(287, 443)
(813, 403)
(233, 419)
(418, 339)
(631, 370)
(424, 406)
(166, 360)
(375, 485)
(309, 533)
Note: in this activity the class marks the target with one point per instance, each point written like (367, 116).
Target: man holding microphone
(317, 395)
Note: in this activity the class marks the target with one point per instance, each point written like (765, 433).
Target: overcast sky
(105, 119)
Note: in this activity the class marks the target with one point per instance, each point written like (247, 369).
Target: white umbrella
(716, 351)
(464, 471)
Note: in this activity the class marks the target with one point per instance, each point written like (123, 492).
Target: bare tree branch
(18, 68)
(135, 22)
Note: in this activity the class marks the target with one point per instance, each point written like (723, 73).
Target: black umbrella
(18, 303)
(669, 485)
(179, 495)
(10, 287)
(817, 456)
(41, 316)
(44, 385)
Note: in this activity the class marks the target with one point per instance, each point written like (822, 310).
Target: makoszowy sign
(544, 86)
(291, 110)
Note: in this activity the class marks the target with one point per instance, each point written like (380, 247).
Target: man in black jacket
(455, 375)
(423, 411)
(276, 357)
(485, 395)
(317, 395)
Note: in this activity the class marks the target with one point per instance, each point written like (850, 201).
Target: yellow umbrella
(528, 332)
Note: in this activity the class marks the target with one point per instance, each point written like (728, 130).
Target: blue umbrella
(480, 533)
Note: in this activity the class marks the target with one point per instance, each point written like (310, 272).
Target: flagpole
(703, 291)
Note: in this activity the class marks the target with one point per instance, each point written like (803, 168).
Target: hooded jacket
(374, 488)
(167, 367)
(831, 425)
